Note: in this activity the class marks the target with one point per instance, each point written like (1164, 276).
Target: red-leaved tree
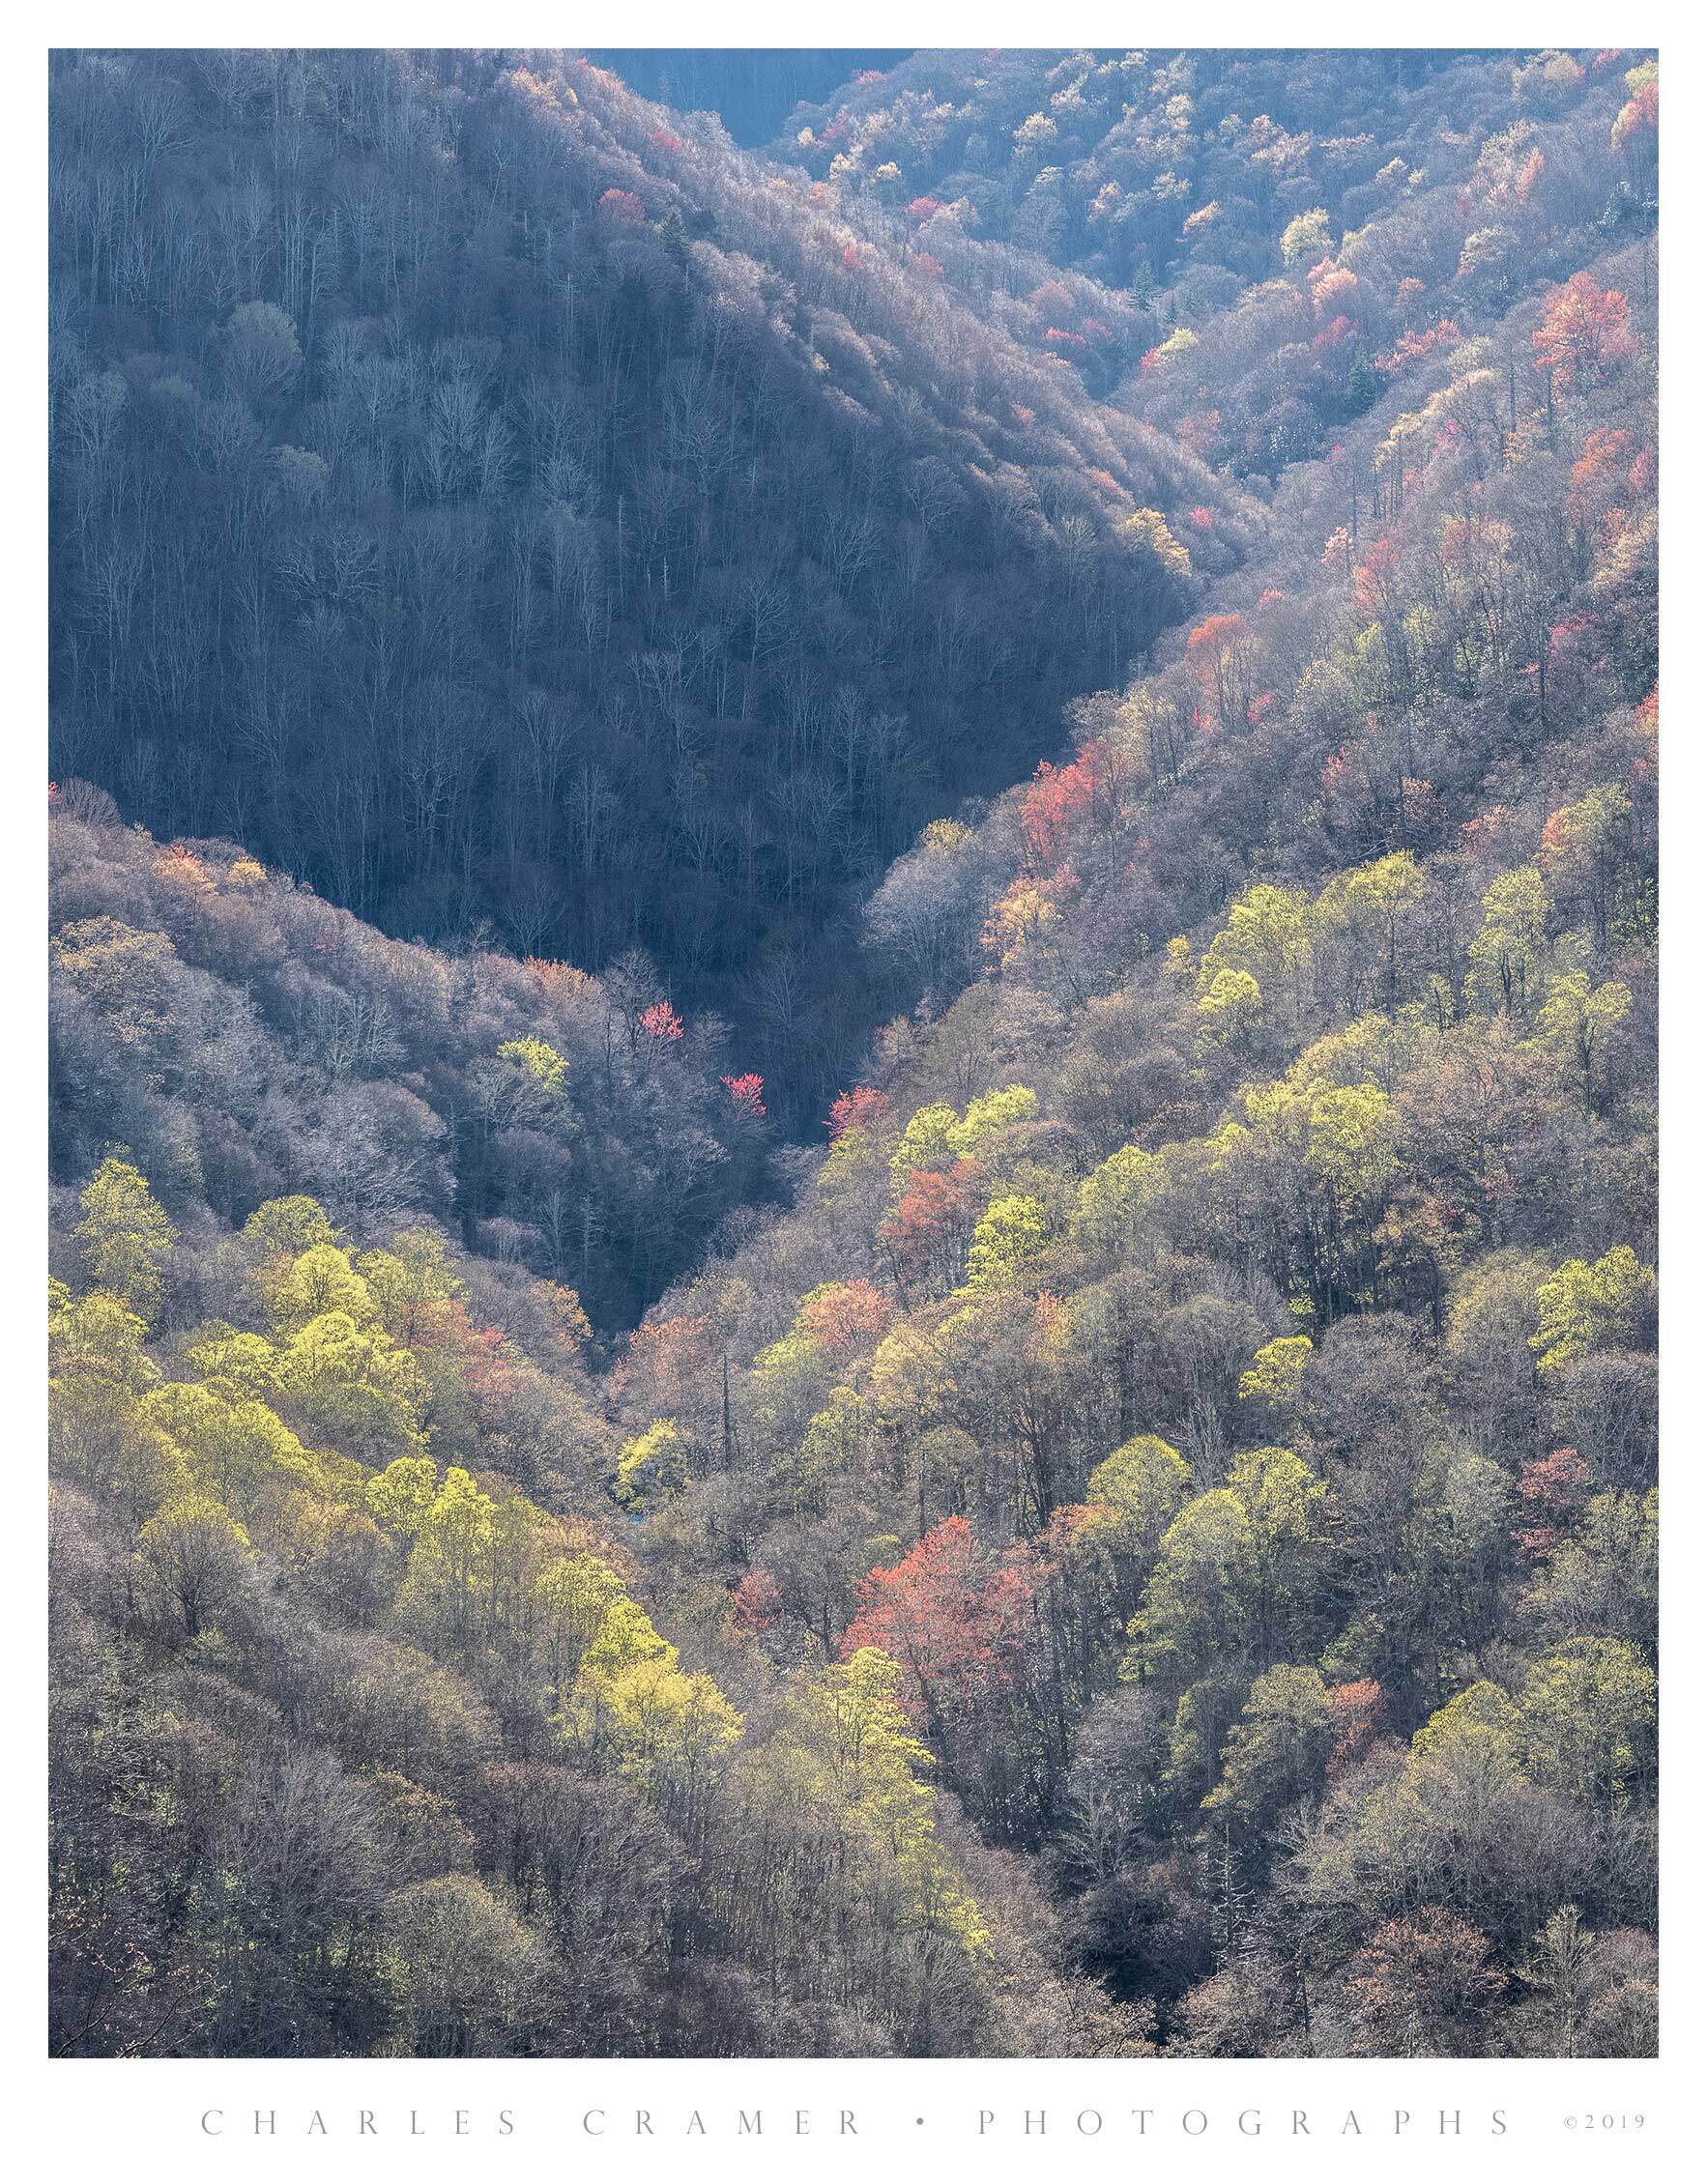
(955, 1616)
(1586, 335)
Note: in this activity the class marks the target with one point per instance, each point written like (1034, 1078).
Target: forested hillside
(1176, 186)
(1152, 1548)
(245, 1038)
(1232, 1347)
(512, 508)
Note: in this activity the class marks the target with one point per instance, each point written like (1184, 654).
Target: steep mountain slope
(501, 502)
(1155, 1545)
(1176, 176)
(362, 1739)
(1227, 1323)
(245, 1040)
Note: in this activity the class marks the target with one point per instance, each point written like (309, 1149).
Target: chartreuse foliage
(936, 1135)
(1012, 1232)
(1584, 1307)
(1114, 1197)
(1143, 1483)
(1160, 1540)
(303, 1440)
(125, 1237)
(846, 1743)
(1277, 1370)
(653, 1466)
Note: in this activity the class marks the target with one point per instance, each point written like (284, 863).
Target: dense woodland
(1137, 1532)
(517, 511)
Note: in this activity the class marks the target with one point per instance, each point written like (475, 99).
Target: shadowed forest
(853, 1024)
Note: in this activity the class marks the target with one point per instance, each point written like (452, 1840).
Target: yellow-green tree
(847, 1745)
(576, 1593)
(1577, 1020)
(1013, 1231)
(1359, 925)
(926, 1142)
(99, 1432)
(241, 1453)
(1229, 1009)
(123, 1236)
(287, 1227)
(1114, 1200)
(1278, 1749)
(1203, 1600)
(1588, 1719)
(538, 1061)
(346, 1385)
(1144, 1483)
(1267, 937)
(1284, 1504)
(1277, 1372)
(320, 1279)
(651, 1467)
(632, 1708)
(1306, 240)
(1583, 1307)
(1505, 975)
(191, 1561)
(991, 1112)
(400, 1498)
